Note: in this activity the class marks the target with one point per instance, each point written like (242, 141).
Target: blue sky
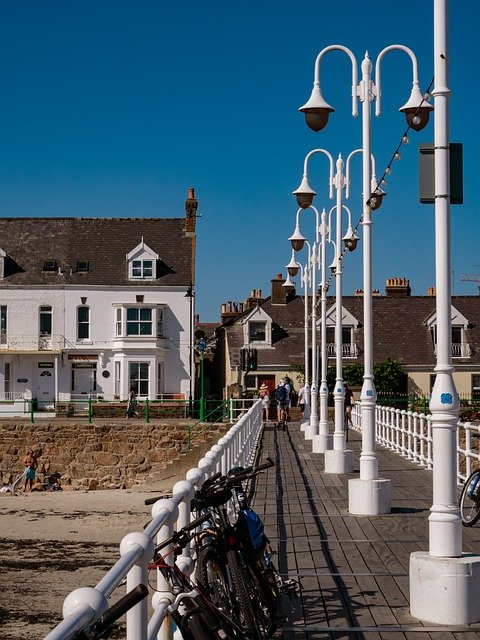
(115, 108)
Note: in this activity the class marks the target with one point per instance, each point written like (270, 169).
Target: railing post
(89, 410)
(32, 419)
(147, 414)
(429, 443)
(137, 618)
(416, 455)
(468, 450)
(163, 586)
(409, 431)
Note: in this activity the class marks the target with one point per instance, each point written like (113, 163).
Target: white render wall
(23, 328)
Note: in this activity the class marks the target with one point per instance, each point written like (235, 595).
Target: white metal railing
(84, 606)
(410, 434)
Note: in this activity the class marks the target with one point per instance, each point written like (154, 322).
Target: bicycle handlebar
(113, 613)
(217, 490)
(182, 536)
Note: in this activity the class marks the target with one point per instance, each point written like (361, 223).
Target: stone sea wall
(94, 456)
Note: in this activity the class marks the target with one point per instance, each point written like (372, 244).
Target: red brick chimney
(279, 293)
(397, 288)
(191, 205)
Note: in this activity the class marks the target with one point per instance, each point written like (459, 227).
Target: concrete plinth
(304, 425)
(369, 497)
(339, 461)
(310, 431)
(445, 590)
(321, 443)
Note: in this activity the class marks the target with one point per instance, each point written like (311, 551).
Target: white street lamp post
(444, 585)
(292, 269)
(338, 460)
(298, 241)
(321, 442)
(368, 495)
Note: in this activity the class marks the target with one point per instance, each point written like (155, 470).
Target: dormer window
(349, 327)
(257, 329)
(142, 263)
(460, 346)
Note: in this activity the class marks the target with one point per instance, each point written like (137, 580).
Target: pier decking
(353, 570)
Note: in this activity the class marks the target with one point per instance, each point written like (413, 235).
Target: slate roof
(103, 242)
(399, 329)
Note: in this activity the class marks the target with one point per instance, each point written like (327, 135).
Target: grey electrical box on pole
(427, 173)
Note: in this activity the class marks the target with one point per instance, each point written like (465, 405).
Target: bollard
(147, 415)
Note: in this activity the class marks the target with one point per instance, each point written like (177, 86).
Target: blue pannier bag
(251, 531)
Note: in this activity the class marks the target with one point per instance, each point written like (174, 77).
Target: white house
(96, 306)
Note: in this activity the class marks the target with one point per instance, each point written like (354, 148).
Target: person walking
(132, 405)
(301, 399)
(289, 388)
(281, 396)
(348, 406)
(265, 398)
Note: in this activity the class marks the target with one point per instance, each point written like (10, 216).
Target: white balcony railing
(459, 350)
(348, 350)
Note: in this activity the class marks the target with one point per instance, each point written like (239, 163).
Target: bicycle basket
(251, 532)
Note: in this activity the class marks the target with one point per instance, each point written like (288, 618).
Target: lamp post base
(311, 430)
(369, 497)
(339, 461)
(322, 443)
(445, 590)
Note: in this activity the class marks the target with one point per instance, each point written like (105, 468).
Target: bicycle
(195, 614)
(235, 560)
(106, 624)
(470, 500)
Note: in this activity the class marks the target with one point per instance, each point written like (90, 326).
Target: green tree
(387, 375)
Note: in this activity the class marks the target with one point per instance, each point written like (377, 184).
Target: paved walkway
(353, 570)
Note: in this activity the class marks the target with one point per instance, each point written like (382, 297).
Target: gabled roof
(400, 332)
(103, 242)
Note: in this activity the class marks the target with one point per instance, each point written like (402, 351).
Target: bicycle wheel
(272, 595)
(242, 596)
(211, 576)
(470, 500)
(267, 600)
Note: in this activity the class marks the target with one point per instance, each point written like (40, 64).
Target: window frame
(81, 323)
(45, 311)
(139, 381)
(126, 316)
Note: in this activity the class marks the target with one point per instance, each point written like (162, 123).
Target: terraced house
(404, 329)
(95, 306)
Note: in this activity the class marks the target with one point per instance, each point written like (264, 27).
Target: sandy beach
(55, 542)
